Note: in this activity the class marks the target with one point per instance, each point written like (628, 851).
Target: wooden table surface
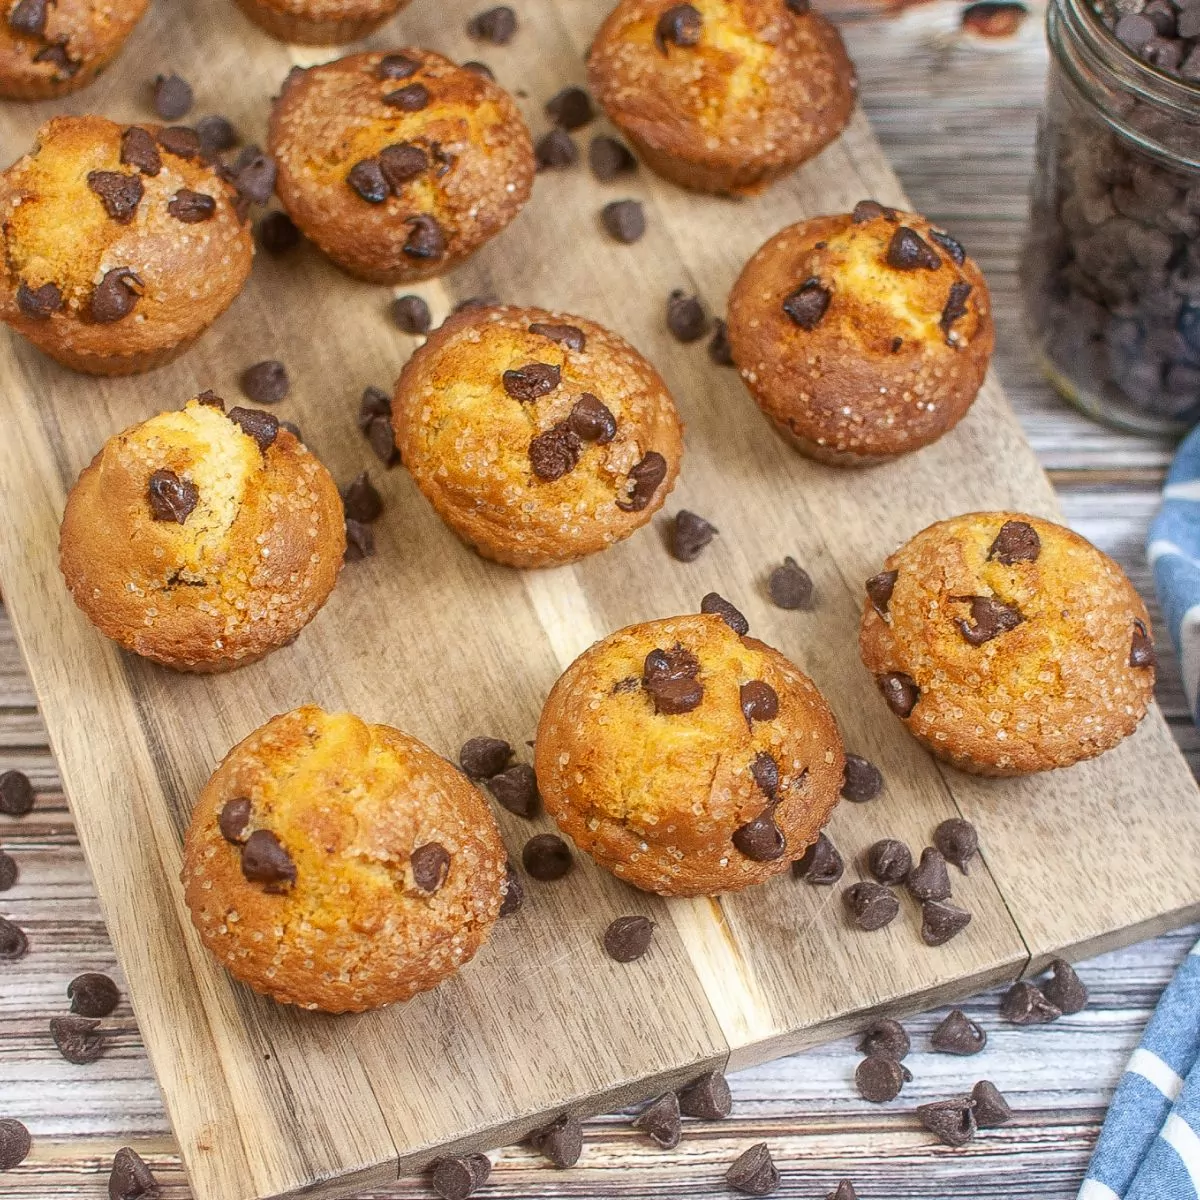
(957, 117)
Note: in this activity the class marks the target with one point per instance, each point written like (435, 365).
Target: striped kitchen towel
(1149, 1148)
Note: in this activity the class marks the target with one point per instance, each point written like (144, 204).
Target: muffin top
(339, 865)
(663, 741)
(198, 535)
(538, 427)
(404, 154)
(121, 236)
(1018, 644)
(717, 82)
(333, 10)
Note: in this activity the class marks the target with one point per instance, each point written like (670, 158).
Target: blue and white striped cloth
(1149, 1148)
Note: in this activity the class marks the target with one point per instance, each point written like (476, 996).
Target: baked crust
(320, 22)
(349, 802)
(56, 230)
(466, 440)
(248, 568)
(879, 374)
(761, 91)
(1056, 689)
(655, 798)
(332, 117)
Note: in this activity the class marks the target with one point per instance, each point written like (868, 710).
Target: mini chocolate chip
(955, 306)
(1065, 990)
(950, 1121)
(765, 771)
(554, 453)
(879, 590)
(233, 819)
(426, 239)
(180, 141)
(496, 25)
(561, 1141)
(660, 1122)
(716, 605)
(266, 861)
(139, 150)
(879, 1078)
(623, 220)
(989, 619)
(897, 342)
(669, 677)
(643, 481)
(16, 794)
(516, 789)
(900, 691)
(547, 857)
(821, 864)
(991, 1109)
(680, 25)
(514, 892)
(929, 879)
(869, 210)
(8, 871)
(570, 336)
(411, 98)
(131, 1178)
(790, 586)
(861, 780)
(39, 303)
(808, 303)
(628, 938)
(1016, 542)
(400, 163)
(1141, 648)
(759, 701)
(719, 349)
(430, 865)
(15, 1143)
(555, 150)
(887, 1038)
(686, 319)
(397, 66)
(172, 97)
(871, 905)
(28, 17)
(411, 315)
(361, 499)
(266, 382)
(760, 839)
(940, 922)
(115, 295)
(366, 178)
(952, 246)
(171, 498)
(277, 233)
(459, 1178)
(360, 540)
(571, 108)
(13, 942)
(483, 757)
(119, 193)
(191, 207)
(216, 134)
(382, 438)
(591, 420)
(958, 842)
(79, 1039)
(1026, 1004)
(908, 250)
(889, 860)
(754, 1172)
(957, 1034)
(261, 426)
(254, 174)
(689, 535)
(92, 994)
(708, 1099)
(609, 158)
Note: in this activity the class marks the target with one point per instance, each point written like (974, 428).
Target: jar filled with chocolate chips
(1111, 265)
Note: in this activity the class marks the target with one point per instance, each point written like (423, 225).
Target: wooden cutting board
(270, 1102)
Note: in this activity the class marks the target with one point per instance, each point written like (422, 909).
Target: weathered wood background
(957, 120)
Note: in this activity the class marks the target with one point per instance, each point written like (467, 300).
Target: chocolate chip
(366, 178)
(719, 349)
(821, 863)
(1065, 990)
(555, 151)
(790, 586)
(689, 535)
(263, 427)
(277, 233)
(138, 150)
(397, 66)
(65, 65)
(765, 771)
(115, 295)
(759, 701)
(908, 250)
(991, 1109)
(131, 1178)
(119, 193)
(871, 905)
(480, 68)
(845, 1189)
(609, 158)
(717, 606)
(400, 163)
(955, 306)
(16, 794)
(1135, 30)
(39, 303)
(411, 314)
(554, 453)
(514, 892)
(426, 239)
(172, 97)
(879, 590)
(561, 1141)
(180, 141)
(483, 757)
(680, 25)
(627, 939)
(957, 1034)
(383, 440)
(266, 382)
(889, 860)
(754, 1172)
(708, 1099)
(411, 98)
(1025, 1004)
(547, 857)
(643, 481)
(571, 108)
(458, 1178)
(475, 302)
(233, 819)
(92, 994)
(216, 134)
(265, 861)
(861, 780)
(361, 499)
(79, 1039)
(171, 498)
(191, 207)
(958, 842)
(760, 839)
(951, 246)
(14, 1143)
(374, 402)
(623, 220)
(8, 871)
(686, 319)
(13, 942)
(900, 691)
(989, 619)
(28, 17)
(516, 789)
(669, 677)
(210, 399)
(1016, 542)
(496, 25)
(951, 1121)
(879, 1078)
(940, 922)
(660, 1122)
(570, 336)
(869, 210)
(360, 541)
(591, 420)
(430, 865)
(1141, 648)
(254, 174)
(887, 1038)
(807, 304)
(929, 879)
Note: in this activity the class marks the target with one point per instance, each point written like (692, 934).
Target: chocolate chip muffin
(49, 49)
(1008, 644)
(121, 244)
(320, 22)
(722, 97)
(399, 166)
(861, 336)
(203, 539)
(688, 758)
(339, 865)
(538, 437)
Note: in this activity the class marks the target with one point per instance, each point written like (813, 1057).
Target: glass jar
(1110, 271)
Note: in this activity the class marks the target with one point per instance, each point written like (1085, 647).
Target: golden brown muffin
(49, 49)
(320, 22)
(399, 166)
(201, 539)
(537, 436)
(861, 336)
(688, 759)
(339, 865)
(722, 95)
(1008, 644)
(121, 245)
